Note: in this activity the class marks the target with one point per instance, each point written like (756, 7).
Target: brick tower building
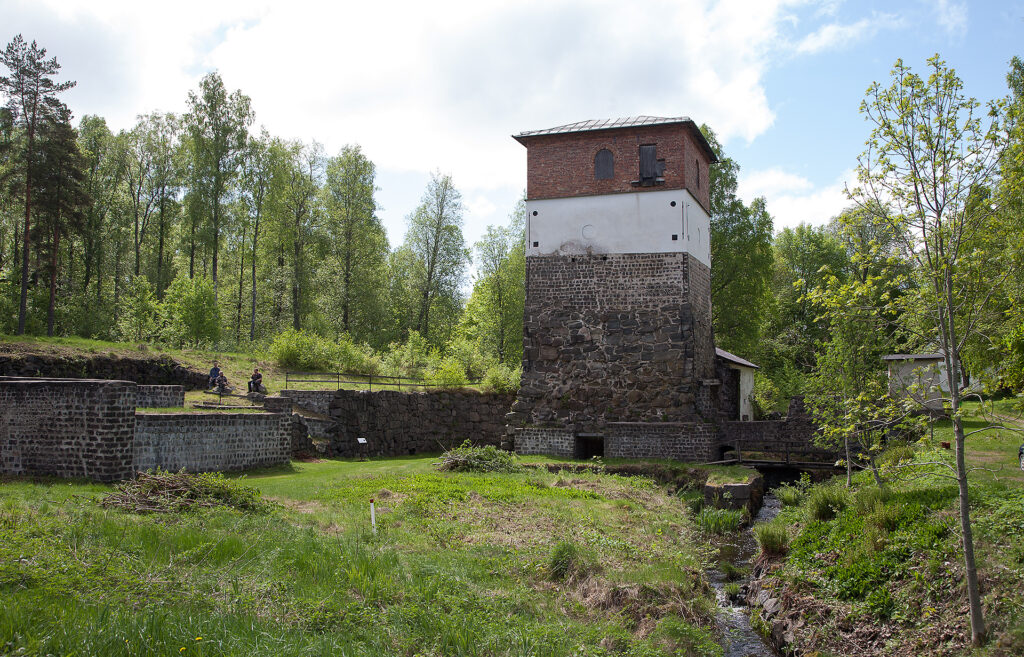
(619, 356)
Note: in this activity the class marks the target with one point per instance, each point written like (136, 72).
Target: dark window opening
(675, 237)
(651, 168)
(604, 165)
(588, 446)
(535, 245)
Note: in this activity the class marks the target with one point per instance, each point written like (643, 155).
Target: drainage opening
(588, 446)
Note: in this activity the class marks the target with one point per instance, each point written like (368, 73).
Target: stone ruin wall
(211, 442)
(67, 428)
(159, 396)
(156, 370)
(400, 423)
(614, 338)
(81, 428)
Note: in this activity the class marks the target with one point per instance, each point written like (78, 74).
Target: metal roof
(913, 357)
(733, 358)
(594, 125)
(606, 124)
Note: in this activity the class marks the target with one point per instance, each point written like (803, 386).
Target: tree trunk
(53, 280)
(295, 280)
(23, 304)
(252, 320)
(952, 360)
(160, 248)
(241, 278)
(192, 250)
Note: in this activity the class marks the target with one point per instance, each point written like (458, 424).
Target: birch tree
(931, 154)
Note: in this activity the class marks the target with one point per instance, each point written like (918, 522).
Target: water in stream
(739, 548)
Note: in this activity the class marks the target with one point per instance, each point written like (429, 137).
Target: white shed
(922, 377)
(746, 371)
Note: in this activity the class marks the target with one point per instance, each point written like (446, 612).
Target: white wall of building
(746, 410)
(641, 222)
(923, 380)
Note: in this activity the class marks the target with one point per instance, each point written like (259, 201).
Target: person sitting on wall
(222, 383)
(256, 382)
(214, 374)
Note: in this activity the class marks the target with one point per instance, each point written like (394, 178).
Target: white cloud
(835, 36)
(952, 16)
(425, 86)
(793, 199)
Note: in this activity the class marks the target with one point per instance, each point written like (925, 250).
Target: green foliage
(138, 312)
(467, 458)
(569, 562)
(449, 373)
(412, 358)
(825, 502)
(313, 353)
(789, 495)
(191, 314)
(772, 538)
(718, 521)
(502, 378)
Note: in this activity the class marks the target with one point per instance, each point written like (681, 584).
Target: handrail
(382, 380)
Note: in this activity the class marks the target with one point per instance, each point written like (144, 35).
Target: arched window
(604, 165)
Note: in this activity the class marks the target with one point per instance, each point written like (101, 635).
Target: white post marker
(373, 517)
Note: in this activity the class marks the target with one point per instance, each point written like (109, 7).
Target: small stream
(739, 549)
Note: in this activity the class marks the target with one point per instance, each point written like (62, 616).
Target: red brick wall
(560, 166)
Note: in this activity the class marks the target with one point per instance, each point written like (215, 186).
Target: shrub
(789, 495)
(868, 499)
(449, 374)
(502, 378)
(309, 351)
(826, 502)
(568, 562)
(896, 454)
(467, 458)
(719, 521)
(411, 358)
(772, 538)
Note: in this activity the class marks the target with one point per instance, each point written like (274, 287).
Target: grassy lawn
(530, 563)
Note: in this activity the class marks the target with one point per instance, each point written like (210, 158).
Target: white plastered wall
(746, 390)
(638, 222)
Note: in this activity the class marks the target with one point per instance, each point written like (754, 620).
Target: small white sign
(361, 441)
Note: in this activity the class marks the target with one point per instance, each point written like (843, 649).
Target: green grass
(461, 564)
(889, 560)
(719, 521)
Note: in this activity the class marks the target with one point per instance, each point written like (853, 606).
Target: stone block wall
(67, 428)
(552, 442)
(318, 401)
(160, 396)
(683, 441)
(694, 442)
(212, 442)
(795, 433)
(614, 338)
(398, 423)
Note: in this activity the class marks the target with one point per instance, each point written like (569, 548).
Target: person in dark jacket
(256, 382)
(214, 374)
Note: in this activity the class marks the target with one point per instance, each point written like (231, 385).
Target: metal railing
(367, 380)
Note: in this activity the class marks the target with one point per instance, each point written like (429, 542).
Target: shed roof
(913, 357)
(594, 125)
(733, 358)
